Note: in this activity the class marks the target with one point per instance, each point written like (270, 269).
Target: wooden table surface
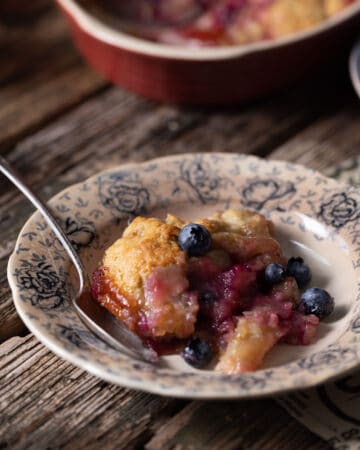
(59, 123)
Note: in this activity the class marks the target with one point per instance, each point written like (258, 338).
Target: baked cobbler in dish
(197, 23)
(219, 288)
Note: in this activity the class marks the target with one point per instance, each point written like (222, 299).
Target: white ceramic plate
(316, 217)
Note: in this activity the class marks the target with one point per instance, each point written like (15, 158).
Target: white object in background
(354, 67)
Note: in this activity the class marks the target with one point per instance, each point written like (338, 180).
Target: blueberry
(274, 273)
(316, 301)
(197, 352)
(195, 239)
(207, 298)
(300, 271)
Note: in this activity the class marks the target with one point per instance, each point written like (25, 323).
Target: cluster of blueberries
(314, 300)
(196, 240)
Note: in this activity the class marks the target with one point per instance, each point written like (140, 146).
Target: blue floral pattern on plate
(305, 206)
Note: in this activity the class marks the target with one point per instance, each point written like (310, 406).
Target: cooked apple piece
(251, 340)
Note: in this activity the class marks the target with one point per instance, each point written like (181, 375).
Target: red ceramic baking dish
(208, 75)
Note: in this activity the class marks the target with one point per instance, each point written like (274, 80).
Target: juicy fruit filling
(198, 23)
(218, 303)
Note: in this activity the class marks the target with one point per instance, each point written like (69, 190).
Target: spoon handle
(18, 181)
(96, 318)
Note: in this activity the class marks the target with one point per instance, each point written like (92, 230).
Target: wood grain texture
(41, 76)
(47, 403)
(326, 141)
(231, 426)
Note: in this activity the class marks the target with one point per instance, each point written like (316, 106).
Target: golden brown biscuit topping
(147, 281)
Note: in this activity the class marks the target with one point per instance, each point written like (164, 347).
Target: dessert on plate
(219, 289)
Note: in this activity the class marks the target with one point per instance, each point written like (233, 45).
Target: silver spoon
(96, 318)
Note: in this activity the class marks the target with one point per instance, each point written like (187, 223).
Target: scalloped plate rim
(125, 381)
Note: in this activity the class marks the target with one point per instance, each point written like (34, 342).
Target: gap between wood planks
(48, 403)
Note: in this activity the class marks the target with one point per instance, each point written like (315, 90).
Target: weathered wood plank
(32, 41)
(326, 142)
(47, 403)
(41, 75)
(233, 425)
